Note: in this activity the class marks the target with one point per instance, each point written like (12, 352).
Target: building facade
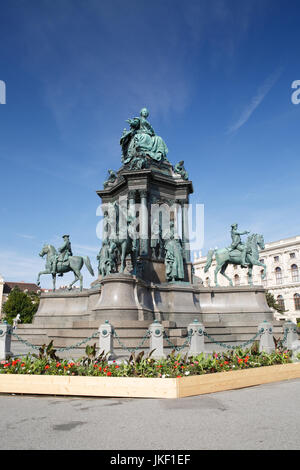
(282, 259)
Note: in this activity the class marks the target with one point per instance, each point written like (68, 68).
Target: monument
(144, 262)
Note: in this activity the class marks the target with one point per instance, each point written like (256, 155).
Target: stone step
(237, 330)
(84, 333)
(122, 324)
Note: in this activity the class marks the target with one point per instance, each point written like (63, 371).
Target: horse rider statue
(237, 244)
(65, 252)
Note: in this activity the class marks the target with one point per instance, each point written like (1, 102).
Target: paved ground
(262, 417)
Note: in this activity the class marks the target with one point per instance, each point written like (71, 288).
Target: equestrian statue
(63, 261)
(242, 254)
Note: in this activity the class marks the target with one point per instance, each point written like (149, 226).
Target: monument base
(124, 297)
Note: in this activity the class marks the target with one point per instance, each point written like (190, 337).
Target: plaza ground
(265, 417)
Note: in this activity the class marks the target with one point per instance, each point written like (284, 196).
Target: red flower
(108, 373)
(47, 366)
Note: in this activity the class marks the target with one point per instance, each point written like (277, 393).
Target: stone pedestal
(177, 302)
(119, 300)
(65, 306)
(234, 305)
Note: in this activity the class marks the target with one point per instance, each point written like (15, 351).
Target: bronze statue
(140, 141)
(64, 263)
(174, 257)
(65, 252)
(237, 243)
(238, 253)
(112, 176)
(179, 169)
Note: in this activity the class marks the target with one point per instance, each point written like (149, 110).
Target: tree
(26, 304)
(271, 301)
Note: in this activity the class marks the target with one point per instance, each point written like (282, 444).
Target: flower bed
(174, 366)
(142, 376)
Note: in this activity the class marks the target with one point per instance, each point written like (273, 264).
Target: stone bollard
(106, 346)
(266, 342)
(5, 339)
(196, 332)
(156, 330)
(290, 330)
(295, 348)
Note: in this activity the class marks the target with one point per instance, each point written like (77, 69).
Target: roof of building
(31, 287)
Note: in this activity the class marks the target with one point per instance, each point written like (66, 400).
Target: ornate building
(282, 259)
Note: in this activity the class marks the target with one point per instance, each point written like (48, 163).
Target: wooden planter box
(145, 387)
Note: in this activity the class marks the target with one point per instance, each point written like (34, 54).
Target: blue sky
(216, 77)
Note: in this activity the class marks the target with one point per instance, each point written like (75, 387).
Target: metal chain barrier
(147, 336)
(283, 340)
(229, 346)
(140, 345)
(33, 346)
(178, 348)
(79, 343)
(74, 346)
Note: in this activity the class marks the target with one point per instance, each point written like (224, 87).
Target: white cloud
(262, 91)
(16, 267)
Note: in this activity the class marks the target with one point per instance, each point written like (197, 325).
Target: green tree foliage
(273, 304)
(26, 304)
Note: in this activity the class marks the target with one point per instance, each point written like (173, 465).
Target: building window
(236, 280)
(292, 255)
(297, 301)
(278, 275)
(280, 301)
(295, 273)
(276, 259)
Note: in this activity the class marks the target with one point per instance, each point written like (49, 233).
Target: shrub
(26, 304)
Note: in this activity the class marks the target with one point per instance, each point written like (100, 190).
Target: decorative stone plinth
(65, 306)
(119, 299)
(177, 302)
(234, 305)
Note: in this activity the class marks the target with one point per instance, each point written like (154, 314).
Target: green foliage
(271, 301)
(46, 352)
(141, 365)
(26, 304)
